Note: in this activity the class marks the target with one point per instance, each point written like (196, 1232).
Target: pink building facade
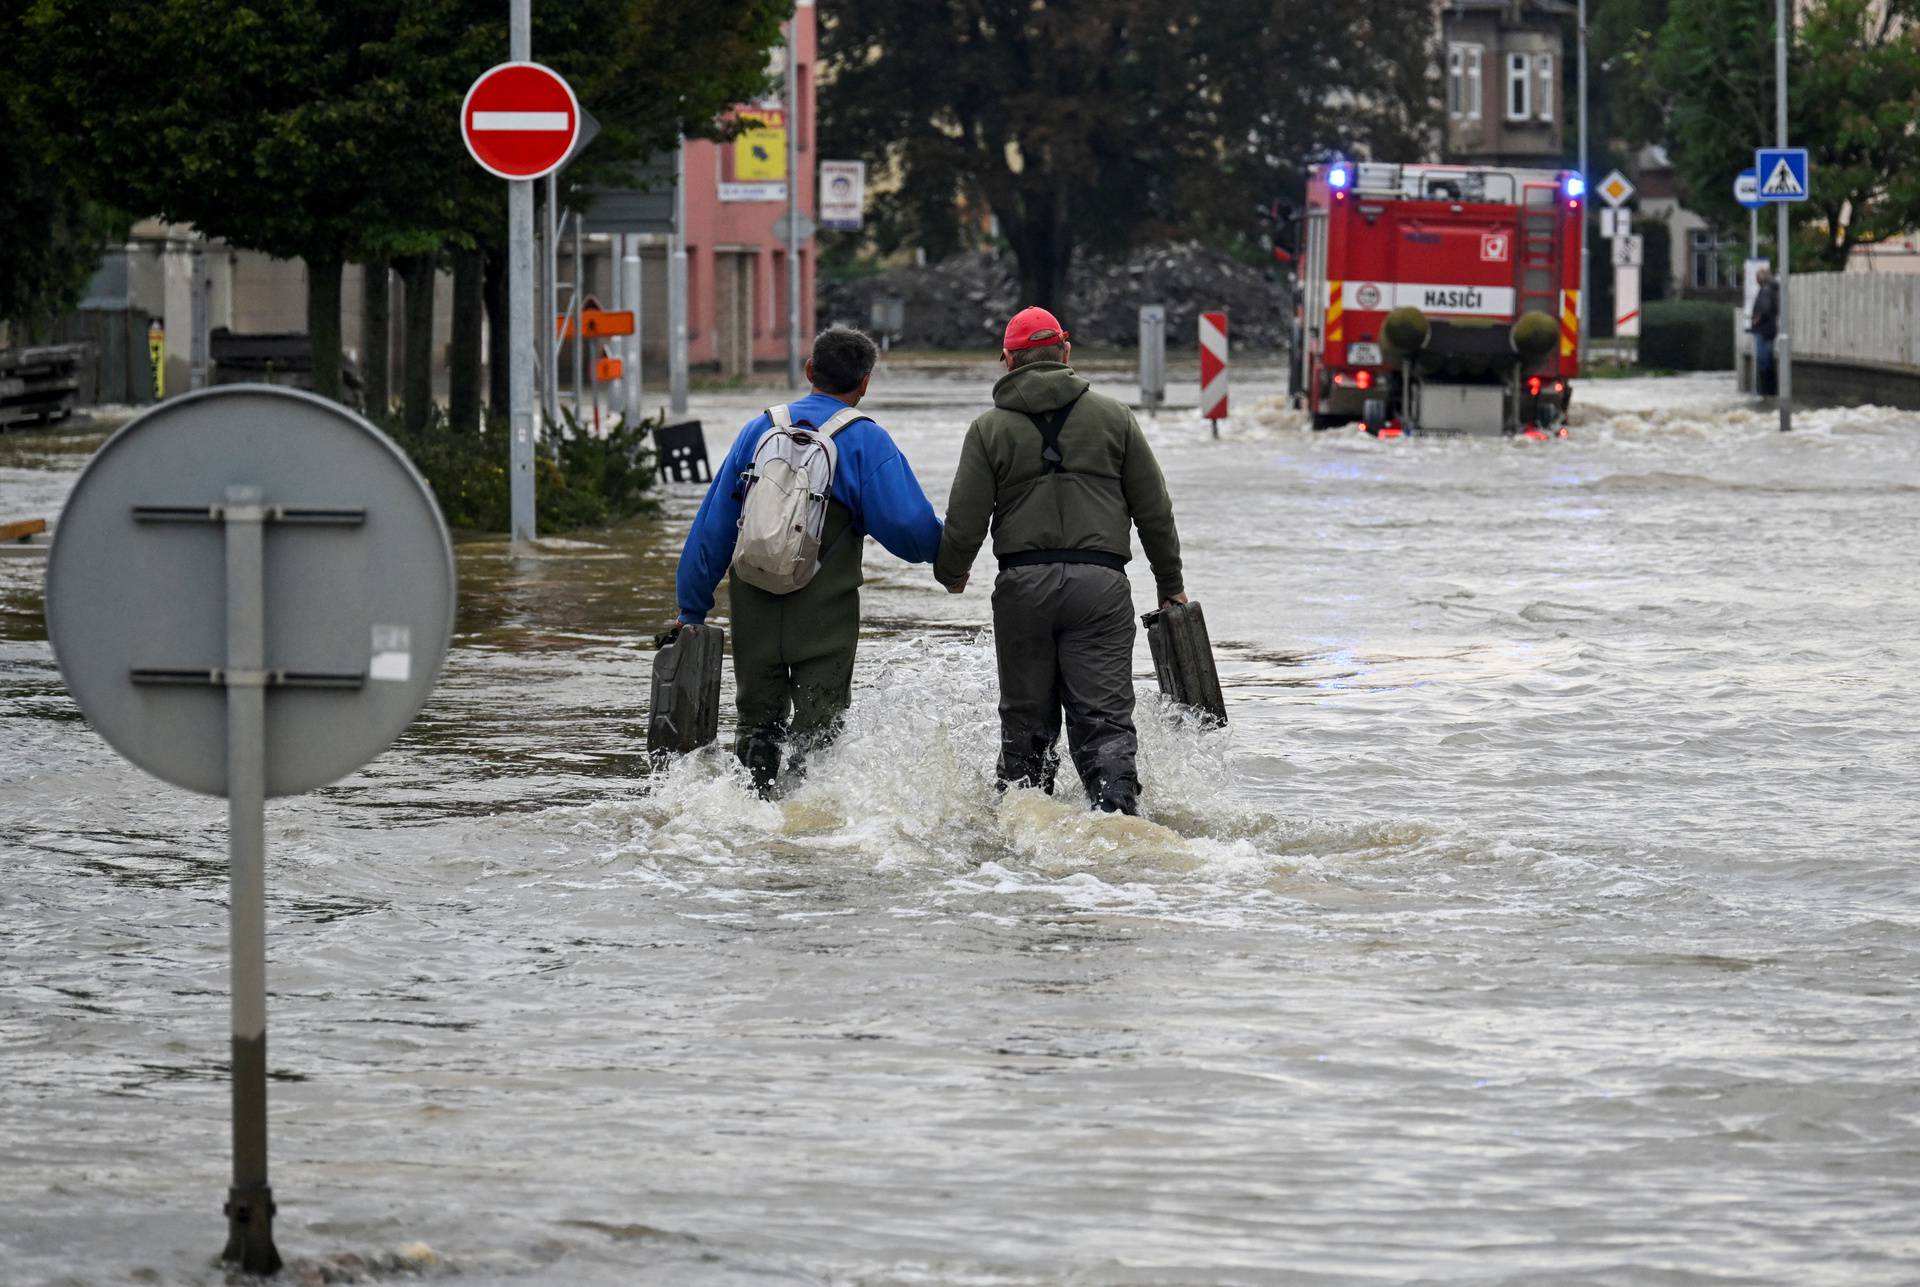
(736, 264)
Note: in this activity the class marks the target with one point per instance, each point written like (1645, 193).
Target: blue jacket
(872, 479)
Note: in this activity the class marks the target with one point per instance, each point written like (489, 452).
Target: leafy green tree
(1099, 122)
(1853, 98)
(54, 231)
(328, 129)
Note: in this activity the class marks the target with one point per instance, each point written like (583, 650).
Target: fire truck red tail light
(1533, 385)
(1364, 379)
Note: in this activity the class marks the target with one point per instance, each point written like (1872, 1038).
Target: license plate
(1363, 354)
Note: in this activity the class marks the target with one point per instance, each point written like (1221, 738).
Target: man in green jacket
(1061, 472)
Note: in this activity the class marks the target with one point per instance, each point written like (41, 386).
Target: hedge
(1687, 335)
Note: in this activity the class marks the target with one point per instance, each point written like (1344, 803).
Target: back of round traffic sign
(356, 569)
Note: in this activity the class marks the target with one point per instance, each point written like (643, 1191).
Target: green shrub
(579, 480)
(1687, 335)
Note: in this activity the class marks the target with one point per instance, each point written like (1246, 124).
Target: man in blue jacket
(793, 653)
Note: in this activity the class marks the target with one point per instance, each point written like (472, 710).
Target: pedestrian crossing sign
(1783, 173)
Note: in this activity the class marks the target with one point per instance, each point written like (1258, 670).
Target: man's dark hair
(842, 357)
(1043, 353)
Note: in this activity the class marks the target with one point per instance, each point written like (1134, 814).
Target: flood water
(1547, 913)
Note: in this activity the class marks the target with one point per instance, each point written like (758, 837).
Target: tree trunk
(323, 322)
(469, 315)
(1043, 248)
(376, 337)
(416, 393)
(499, 343)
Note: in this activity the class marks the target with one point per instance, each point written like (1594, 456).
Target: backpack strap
(1050, 424)
(840, 420)
(781, 415)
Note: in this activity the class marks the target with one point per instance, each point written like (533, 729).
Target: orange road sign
(595, 324)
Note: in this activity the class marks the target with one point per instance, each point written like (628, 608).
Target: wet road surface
(1546, 914)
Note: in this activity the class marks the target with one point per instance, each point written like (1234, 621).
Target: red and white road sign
(1213, 366)
(520, 120)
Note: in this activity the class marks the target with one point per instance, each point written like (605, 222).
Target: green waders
(793, 655)
(1063, 634)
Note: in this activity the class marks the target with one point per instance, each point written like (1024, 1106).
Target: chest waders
(1063, 630)
(793, 654)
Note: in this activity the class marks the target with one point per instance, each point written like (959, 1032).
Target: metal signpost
(677, 288)
(794, 235)
(1783, 180)
(249, 594)
(1153, 357)
(1586, 251)
(520, 121)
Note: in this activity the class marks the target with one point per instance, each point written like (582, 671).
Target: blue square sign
(1783, 173)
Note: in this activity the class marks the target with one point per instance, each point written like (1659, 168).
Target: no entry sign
(520, 120)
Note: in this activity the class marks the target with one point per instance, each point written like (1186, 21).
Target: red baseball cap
(1032, 328)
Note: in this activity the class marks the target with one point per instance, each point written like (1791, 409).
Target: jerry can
(1183, 658)
(685, 713)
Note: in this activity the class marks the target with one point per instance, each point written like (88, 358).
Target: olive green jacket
(1108, 479)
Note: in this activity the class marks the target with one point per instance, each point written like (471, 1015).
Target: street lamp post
(1585, 254)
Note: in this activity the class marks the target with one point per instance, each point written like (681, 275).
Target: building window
(1704, 249)
(1463, 82)
(1543, 74)
(1519, 87)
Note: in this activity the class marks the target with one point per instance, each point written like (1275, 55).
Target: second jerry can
(1183, 658)
(685, 714)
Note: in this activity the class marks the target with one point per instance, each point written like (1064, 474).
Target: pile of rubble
(963, 302)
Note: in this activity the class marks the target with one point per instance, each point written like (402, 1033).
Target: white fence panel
(1856, 317)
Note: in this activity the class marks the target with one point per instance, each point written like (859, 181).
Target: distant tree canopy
(1698, 77)
(54, 230)
(329, 129)
(1099, 122)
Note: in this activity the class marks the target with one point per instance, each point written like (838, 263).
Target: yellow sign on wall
(760, 150)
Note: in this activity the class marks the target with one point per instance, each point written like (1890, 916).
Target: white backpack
(785, 510)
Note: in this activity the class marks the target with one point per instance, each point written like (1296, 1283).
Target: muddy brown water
(1547, 914)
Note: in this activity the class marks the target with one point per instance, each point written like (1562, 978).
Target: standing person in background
(1765, 326)
(793, 652)
(1063, 474)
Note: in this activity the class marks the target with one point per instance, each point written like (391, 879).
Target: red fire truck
(1439, 299)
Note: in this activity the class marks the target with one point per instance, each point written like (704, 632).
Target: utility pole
(521, 336)
(793, 200)
(631, 294)
(677, 289)
(1782, 350)
(1585, 177)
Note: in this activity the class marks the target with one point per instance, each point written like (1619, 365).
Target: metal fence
(1856, 317)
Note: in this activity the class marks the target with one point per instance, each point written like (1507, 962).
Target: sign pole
(520, 371)
(793, 201)
(1782, 349)
(573, 311)
(677, 289)
(630, 272)
(250, 1200)
(1585, 252)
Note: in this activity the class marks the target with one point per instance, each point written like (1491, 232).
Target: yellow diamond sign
(1615, 189)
